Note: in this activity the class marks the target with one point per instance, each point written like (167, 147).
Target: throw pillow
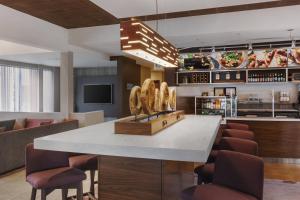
(46, 123)
(8, 124)
(18, 126)
(31, 123)
(2, 129)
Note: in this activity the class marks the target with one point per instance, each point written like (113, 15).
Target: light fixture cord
(156, 7)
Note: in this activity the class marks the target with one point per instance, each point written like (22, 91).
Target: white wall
(263, 91)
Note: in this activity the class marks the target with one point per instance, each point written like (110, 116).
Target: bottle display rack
(243, 76)
(194, 78)
(260, 76)
(216, 105)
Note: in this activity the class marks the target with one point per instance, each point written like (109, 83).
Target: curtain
(48, 90)
(20, 88)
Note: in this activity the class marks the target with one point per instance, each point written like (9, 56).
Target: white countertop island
(141, 167)
(188, 140)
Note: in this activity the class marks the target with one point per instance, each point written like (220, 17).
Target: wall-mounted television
(98, 94)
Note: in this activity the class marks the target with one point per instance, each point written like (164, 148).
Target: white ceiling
(208, 30)
(92, 46)
(130, 8)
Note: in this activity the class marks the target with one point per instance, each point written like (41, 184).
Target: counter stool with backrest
(242, 134)
(238, 126)
(238, 176)
(85, 162)
(49, 170)
(206, 172)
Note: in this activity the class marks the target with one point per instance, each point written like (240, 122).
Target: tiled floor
(14, 187)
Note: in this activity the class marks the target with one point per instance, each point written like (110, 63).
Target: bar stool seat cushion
(84, 162)
(54, 178)
(242, 134)
(213, 192)
(238, 126)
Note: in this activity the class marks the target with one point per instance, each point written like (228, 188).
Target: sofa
(13, 142)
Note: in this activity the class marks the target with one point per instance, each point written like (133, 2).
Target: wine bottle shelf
(267, 76)
(274, 75)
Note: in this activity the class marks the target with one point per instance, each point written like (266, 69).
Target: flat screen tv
(98, 94)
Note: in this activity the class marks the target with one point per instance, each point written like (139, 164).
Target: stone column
(66, 84)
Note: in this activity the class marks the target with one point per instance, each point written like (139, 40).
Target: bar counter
(135, 167)
(276, 137)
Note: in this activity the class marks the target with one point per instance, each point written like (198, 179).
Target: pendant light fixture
(293, 45)
(140, 41)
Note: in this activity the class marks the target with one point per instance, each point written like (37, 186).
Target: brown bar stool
(206, 172)
(49, 170)
(85, 162)
(242, 134)
(238, 126)
(238, 176)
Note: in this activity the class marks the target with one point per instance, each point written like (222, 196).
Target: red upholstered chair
(238, 176)
(242, 134)
(49, 170)
(206, 172)
(238, 126)
(85, 162)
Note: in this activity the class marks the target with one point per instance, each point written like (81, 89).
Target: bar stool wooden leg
(79, 192)
(92, 186)
(64, 193)
(43, 194)
(33, 194)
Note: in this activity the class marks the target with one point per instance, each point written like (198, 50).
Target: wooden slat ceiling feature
(137, 36)
(65, 13)
(209, 11)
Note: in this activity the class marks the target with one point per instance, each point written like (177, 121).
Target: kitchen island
(135, 167)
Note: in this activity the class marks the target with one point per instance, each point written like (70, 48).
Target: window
(48, 90)
(20, 89)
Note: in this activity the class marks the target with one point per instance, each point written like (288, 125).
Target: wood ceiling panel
(84, 13)
(65, 13)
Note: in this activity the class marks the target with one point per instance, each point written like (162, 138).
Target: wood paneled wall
(186, 103)
(170, 76)
(128, 73)
(145, 73)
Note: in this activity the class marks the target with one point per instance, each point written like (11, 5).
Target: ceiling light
(161, 52)
(293, 44)
(250, 46)
(213, 50)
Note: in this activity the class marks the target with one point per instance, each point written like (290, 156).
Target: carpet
(281, 190)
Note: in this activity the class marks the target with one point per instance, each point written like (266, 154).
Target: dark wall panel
(129, 73)
(110, 110)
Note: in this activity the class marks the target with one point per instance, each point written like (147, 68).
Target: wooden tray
(143, 126)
